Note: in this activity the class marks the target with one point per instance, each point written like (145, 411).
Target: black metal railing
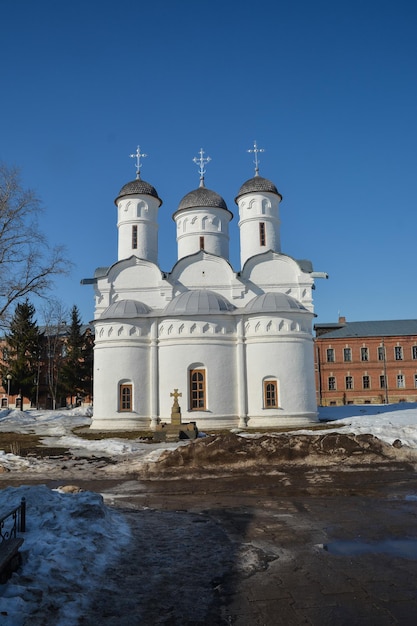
(14, 522)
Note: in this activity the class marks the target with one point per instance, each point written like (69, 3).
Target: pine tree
(76, 372)
(23, 350)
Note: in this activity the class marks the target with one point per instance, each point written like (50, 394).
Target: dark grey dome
(273, 303)
(138, 187)
(125, 309)
(255, 184)
(202, 197)
(197, 302)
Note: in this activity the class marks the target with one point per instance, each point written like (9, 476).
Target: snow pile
(70, 539)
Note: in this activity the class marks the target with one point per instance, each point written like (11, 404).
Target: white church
(237, 345)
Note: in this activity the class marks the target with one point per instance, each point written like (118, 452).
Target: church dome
(138, 187)
(273, 303)
(202, 197)
(125, 309)
(197, 302)
(255, 185)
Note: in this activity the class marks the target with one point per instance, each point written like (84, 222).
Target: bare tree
(55, 330)
(27, 263)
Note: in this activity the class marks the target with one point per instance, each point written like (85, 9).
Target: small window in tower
(270, 394)
(125, 397)
(134, 237)
(201, 243)
(197, 390)
(262, 237)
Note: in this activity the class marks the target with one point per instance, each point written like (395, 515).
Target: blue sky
(327, 88)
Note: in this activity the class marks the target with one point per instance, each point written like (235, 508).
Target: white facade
(237, 345)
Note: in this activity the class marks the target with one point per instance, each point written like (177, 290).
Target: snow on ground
(68, 537)
(72, 537)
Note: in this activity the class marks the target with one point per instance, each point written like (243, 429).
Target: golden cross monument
(176, 411)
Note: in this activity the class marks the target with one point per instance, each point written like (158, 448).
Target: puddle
(404, 548)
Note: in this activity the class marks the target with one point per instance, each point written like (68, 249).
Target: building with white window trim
(237, 345)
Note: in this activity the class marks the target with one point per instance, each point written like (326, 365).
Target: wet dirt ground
(260, 550)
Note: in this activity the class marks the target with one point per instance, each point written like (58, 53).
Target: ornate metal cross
(202, 161)
(138, 156)
(256, 151)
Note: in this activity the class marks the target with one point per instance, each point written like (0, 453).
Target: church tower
(258, 201)
(202, 220)
(137, 217)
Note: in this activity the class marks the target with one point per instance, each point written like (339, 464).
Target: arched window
(197, 390)
(125, 397)
(270, 394)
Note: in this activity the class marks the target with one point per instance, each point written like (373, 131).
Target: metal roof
(379, 328)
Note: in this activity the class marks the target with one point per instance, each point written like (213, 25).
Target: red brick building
(366, 362)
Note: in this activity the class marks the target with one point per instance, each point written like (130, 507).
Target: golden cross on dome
(138, 156)
(256, 151)
(202, 161)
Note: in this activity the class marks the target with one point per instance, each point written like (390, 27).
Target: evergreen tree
(23, 351)
(76, 372)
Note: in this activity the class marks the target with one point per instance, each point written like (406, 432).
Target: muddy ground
(291, 533)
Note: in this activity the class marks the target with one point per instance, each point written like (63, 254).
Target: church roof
(202, 197)
(273, 303)
(256, 184)
(199, 301)
(138, 187)
(125, 309)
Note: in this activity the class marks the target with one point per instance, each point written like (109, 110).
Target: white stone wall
(141, 211)
(254, 209)
(208, 222)
(121, 355)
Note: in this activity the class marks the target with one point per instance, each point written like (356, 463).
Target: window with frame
(270, 394)
(134, 237)
(126, 397)
(349, 382)
(415, 381)
(414, 352)
(201, 243)
(398, 353)
(366, 383)
(381, 353)
(330, 355)
(382, 381)
(332, 383)
(347, 354)
(197, 390)
(400, 381)
(364, 354)
(262, 234)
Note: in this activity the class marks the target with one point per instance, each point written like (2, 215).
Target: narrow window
(125, 397)
(364, 354)
(330, 355)
(270, 394)
(134, 237)
(349, 382)
(262, 236)
(382, 381)
(347, 354)
(398, 353)
(381, 353)
(197, 390)
(366, 382)
(201, 243)
(414, 352)
(400, 381)
(415, 381)
(332, 383)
